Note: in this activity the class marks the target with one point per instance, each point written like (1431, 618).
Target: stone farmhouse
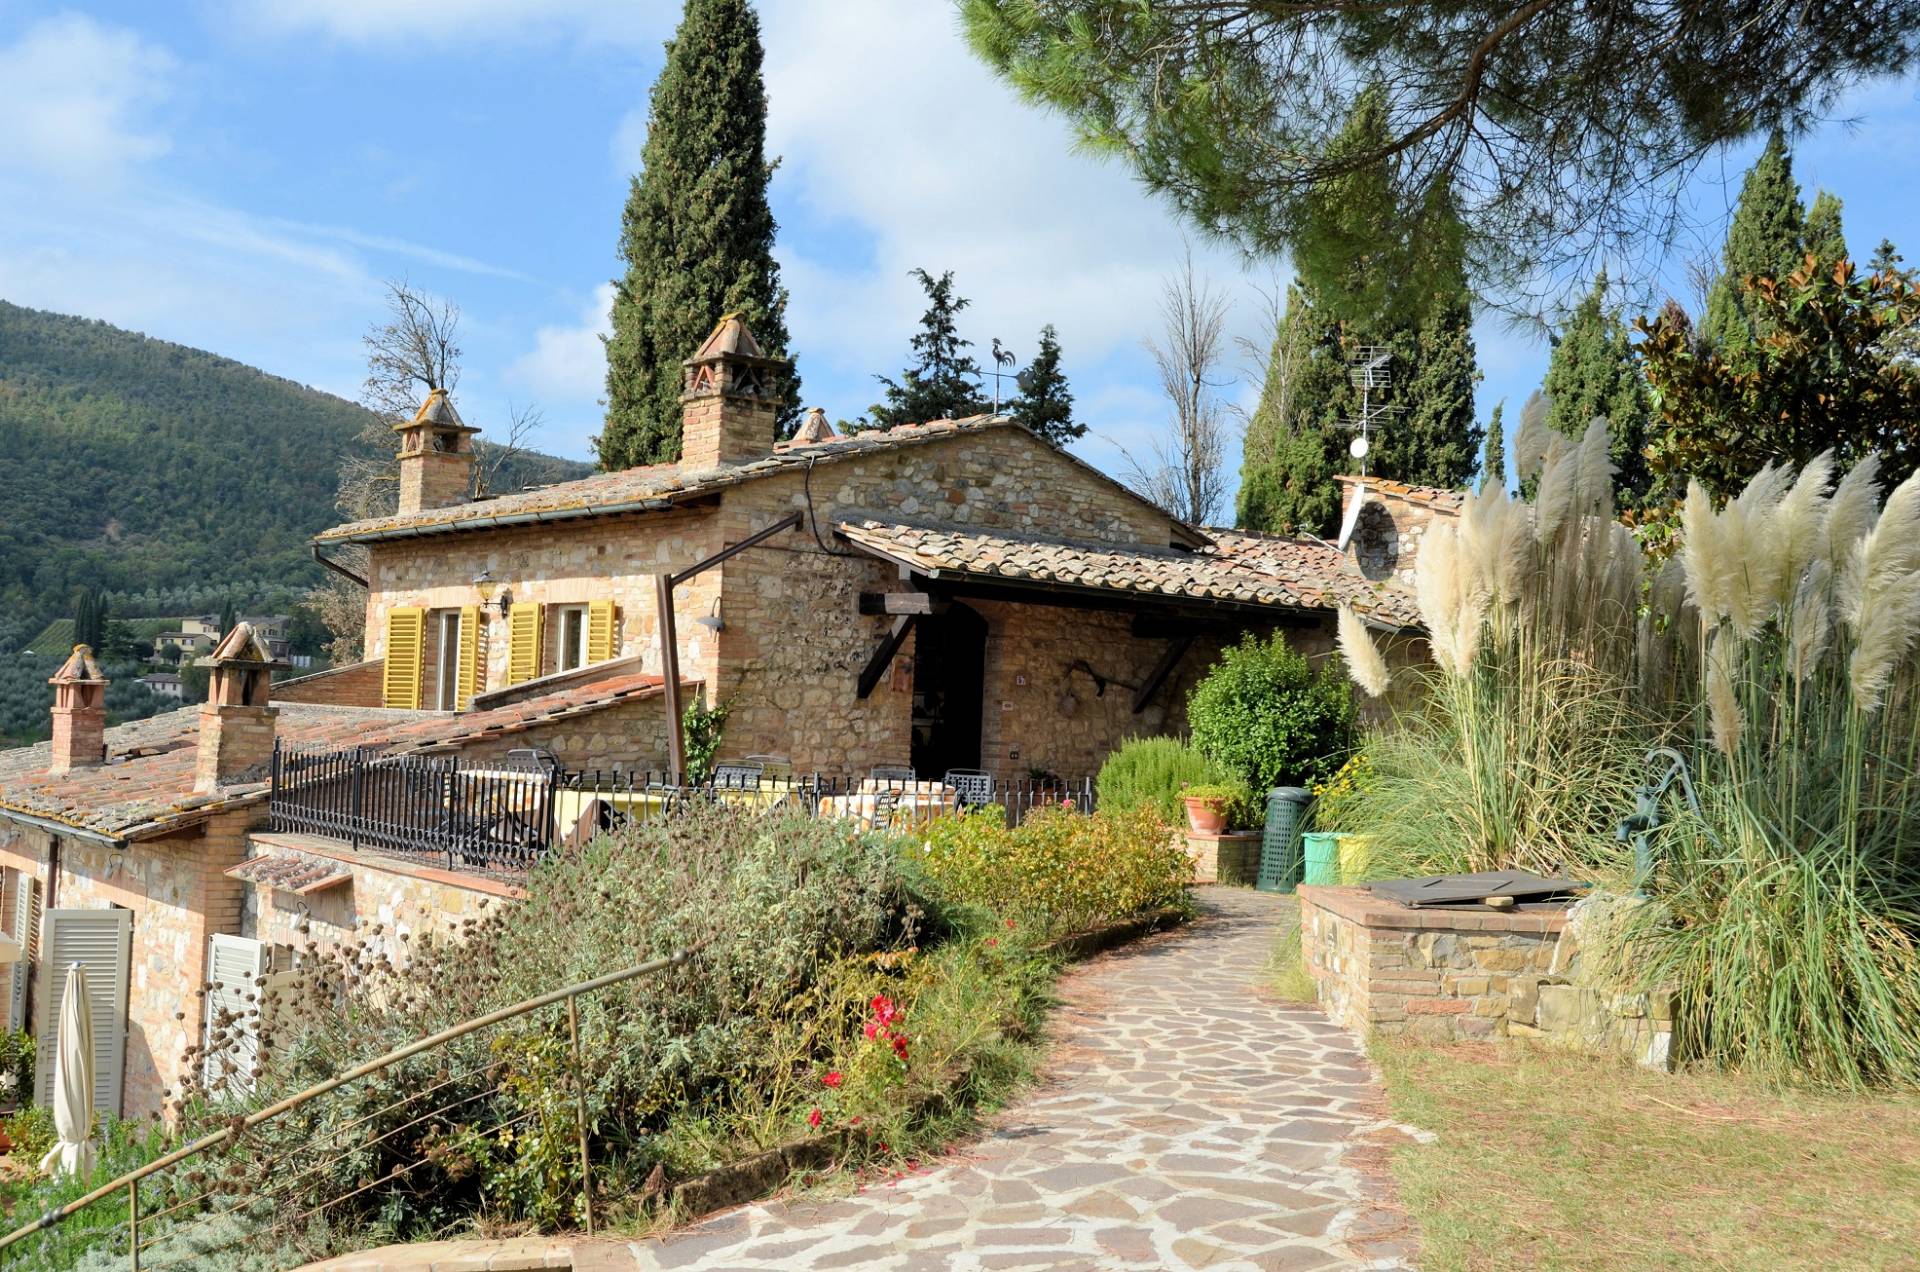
(944, 596)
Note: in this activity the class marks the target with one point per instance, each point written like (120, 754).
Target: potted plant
(1210, 804)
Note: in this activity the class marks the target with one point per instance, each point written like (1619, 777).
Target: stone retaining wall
(1444, 975)
(1232, 857)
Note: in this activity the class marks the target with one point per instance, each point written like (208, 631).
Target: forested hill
(130, 465)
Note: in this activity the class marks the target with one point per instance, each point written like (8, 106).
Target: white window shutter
(25, 928)
(235, 965)
(102, 942)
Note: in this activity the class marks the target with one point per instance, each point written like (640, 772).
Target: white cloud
(567, 363)
(78, 97)
(443, 22)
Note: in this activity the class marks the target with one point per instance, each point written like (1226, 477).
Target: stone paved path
(1187, 1121)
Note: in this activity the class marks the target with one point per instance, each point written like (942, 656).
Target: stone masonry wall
(179, 896)
(1442, 975)
(389, 902)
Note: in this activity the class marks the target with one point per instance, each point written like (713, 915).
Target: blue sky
(240, 175)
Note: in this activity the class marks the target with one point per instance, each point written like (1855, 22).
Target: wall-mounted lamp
(505, 603)
(712, 621)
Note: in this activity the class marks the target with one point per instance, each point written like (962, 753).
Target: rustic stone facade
(1393, 522)
(387, 902)
(1443, 975)
(179, 896)
(1229, 857)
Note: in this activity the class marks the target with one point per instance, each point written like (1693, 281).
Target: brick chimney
(728, 408)
(436, 456)
(814, 429)
(79, 713)
(236, 724)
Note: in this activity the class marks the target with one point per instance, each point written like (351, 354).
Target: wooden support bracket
(889, 646)
(1176, 650)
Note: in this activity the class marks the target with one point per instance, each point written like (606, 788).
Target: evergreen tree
(944, 381)
(1434, 439)
(1593, 372)
(1824, 237)
(1293, 445)
(90, 619)
(1045, 404)
(229, 616)
(697, 233)
(1493, 457)
(1763, 239)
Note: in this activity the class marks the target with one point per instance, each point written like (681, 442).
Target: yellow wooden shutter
(406, 643)
(468, 676)
(599, 631)
(523, 642)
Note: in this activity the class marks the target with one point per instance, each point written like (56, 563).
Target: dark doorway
(949, 675)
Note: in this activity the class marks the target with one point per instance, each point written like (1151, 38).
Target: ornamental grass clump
(1528, 739)
(1789, 910)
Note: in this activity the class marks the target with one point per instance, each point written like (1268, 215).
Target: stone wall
(403, 900)
(1443, 975)
(179, 896)
(1231, 857)
(630, 735)
(354, 685)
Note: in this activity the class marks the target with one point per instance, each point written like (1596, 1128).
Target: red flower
(813, 1118)
(1009, 925)
(882, 1146)
(872, 1029)
(992, 941)
(900, 1047)
(884, 1010)
(853, 1121)
(833, 1079)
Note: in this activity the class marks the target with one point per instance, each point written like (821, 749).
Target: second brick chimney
(730, 406)
(236, 724)
(436, 456)
(79, 713)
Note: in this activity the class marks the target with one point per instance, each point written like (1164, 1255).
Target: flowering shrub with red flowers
(1059, 870)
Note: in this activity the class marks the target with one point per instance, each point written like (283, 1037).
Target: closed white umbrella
(72, 1152)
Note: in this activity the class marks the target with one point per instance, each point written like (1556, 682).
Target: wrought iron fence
(489, 816)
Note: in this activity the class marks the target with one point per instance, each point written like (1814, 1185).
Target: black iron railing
(483, 815)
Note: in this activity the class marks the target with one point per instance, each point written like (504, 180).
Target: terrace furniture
(894, 773)
(737, 777)
(972, 787)
(882, 802)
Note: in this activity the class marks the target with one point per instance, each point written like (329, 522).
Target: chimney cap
(436, 411)
(79, 669)
(814, 429)
(241, 649)
(730, 338)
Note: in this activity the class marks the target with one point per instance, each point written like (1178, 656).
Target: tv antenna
(1369, 370)
(1003, 361)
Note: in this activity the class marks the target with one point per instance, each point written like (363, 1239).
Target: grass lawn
(1547, 1159)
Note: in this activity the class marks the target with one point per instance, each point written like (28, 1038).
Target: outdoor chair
(894, 773)
(971, 786)
(737, 777)
(885, 805)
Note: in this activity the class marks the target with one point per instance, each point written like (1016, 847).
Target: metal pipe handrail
(232, 1132)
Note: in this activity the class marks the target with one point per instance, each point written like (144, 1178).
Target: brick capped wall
(354, 685)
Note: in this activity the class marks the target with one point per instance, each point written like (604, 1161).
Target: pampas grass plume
(1553, 504)
(1889, 620)
(1850, 511)
(1364, 663)
(1530, 439)
(1810, 622)
(1801, 522)
(1594, 482)
(1707, 560)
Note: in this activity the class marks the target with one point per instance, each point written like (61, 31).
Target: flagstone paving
(1187, 1120)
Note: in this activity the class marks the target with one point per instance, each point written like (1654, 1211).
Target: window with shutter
(523, 642)
(102, 942)
(406, 646)
(236, 964)
(600, 615)
(26, 930)
(469, 675)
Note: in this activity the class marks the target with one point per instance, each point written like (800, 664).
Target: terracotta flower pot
(1207, 816)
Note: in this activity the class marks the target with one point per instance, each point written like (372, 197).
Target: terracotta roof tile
(1439, 498)
(1248, 570)
(654, 484)
(301, 875)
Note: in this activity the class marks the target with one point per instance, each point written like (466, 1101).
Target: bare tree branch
(1184, 474)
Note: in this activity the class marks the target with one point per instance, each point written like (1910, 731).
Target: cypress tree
(944, 381)
(1283, 464)
(1593, 372)
(1493, 457)
(1045, 404)
(1764, 238)
(697, 232)
(1824, 237)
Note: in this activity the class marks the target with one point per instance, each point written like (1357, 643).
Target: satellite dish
(1352, 516)
(1358, 448)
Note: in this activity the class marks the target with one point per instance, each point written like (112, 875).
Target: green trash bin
(1322, 857)
(1280, 843)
